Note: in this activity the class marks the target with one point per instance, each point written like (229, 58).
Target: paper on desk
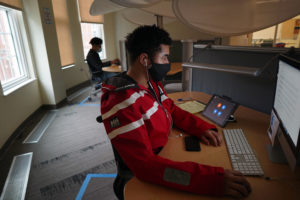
(192, 106)
(273, 128)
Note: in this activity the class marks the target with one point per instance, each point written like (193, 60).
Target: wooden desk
(175, 68)
(112, 68)
(255, 125)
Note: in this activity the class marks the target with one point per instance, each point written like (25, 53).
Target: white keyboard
(241, 154)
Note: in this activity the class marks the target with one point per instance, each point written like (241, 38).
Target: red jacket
(138, 124)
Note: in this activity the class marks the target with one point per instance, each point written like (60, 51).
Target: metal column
(123, 56)
(187, 56)
(159, 21)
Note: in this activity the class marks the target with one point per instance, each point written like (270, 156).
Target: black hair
(96, 41)
(146, 39)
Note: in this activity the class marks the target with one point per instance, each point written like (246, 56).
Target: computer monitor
(287, 108)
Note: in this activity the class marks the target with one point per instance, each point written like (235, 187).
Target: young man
(95, 63)
(138, 117)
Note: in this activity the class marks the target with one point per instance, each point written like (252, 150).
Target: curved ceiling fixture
(101, 7)
(162, 8)
(135, 3)
(234, 17)
(140, 17)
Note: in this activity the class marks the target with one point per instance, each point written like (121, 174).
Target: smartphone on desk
(192, 143)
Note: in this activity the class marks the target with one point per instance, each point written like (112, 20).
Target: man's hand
(115, 61)
(211, 137)
(235, 184)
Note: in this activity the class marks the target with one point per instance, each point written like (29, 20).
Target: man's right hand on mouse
(236, 185)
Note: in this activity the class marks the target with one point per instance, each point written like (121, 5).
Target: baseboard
(55, 106)
(22, 131)
(78, 87)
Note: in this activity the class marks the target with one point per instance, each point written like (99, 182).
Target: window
(13, 63)
(286, 34)
(91, 26)
(90, 30)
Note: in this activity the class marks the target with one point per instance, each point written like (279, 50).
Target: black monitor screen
(219, 110)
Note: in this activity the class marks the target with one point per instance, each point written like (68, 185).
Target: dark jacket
(95, 63)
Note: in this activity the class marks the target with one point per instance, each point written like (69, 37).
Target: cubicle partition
(245, 74)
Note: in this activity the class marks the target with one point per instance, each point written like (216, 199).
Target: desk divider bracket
(252, 71)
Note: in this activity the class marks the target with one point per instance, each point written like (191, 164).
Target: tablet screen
(219, 110)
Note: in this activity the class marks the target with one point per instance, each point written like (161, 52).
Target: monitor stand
(276, 154)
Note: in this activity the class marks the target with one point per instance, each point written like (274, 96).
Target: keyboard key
(241, 154)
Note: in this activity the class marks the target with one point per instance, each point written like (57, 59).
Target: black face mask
(159, 71)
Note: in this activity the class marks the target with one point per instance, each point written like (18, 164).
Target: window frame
(103, 54)
(22, 50)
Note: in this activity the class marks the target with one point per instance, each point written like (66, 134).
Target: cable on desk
(285, 180)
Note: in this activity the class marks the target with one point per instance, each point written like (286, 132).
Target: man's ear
(144, 59)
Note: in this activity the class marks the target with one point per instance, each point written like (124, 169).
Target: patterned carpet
(72, 147)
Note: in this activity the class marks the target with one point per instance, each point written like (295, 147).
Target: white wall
(109, 36)
(33, 18)
(267, 33)
(179, 31)
(176, 29)
(45, 49)
(80, 72)
(16, 107)
(123, 28)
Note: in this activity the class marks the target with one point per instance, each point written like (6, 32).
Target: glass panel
(286, 34)
(89, 31)
(264, 38)
(9, 68)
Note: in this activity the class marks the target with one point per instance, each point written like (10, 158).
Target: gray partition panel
(254, 92)
(233, 57)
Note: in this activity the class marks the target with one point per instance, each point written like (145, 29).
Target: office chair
(124, 173)
(173, 83)
(123, 176)
(96, 84)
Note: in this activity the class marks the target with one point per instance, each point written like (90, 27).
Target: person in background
(138, 117)
(94, 62)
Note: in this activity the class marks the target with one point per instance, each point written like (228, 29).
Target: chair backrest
(95, 76)
(123, 170)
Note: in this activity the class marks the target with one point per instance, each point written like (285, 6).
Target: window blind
(16, 4)
(63, 32)
(84, 9)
